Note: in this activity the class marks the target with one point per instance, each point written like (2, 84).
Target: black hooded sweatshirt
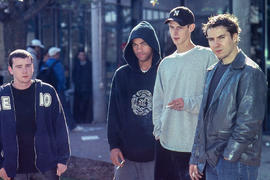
(130, 126)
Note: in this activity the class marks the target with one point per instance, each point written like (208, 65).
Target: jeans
(48, 175)
(227, 170)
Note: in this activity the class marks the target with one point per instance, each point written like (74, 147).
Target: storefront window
(162, 15)
(149, 15)
(208, 7)
(155, 15)
(202, 11)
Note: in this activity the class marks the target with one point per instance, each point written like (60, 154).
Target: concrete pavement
(91, 143)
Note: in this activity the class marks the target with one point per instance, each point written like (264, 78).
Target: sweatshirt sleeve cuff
(113, 146)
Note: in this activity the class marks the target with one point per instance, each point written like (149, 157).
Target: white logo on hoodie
(141, 102)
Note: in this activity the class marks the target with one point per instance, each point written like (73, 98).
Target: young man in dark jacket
(82, 78)
(130, 109)
(228, 135)
(34, 142)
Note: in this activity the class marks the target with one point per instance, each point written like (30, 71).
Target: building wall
(70, 28)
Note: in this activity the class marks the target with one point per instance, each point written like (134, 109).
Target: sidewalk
(91, 143)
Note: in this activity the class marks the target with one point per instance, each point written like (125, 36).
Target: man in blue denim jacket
(34, 141)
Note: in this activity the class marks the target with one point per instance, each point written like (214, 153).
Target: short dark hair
(18, 53)
(229, 21)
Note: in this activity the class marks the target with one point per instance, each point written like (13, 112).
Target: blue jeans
(227, 170)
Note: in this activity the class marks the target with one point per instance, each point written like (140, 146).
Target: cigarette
(169, 106)
(122, 162)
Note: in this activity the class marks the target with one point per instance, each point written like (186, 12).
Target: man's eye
(144, 44)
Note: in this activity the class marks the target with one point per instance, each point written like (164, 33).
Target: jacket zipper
(36, 127)
(15, 125)
(16, 133)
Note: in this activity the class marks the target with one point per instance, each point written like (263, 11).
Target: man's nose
(175, 32)
(24, 69)
(216, 43)
(139, 48)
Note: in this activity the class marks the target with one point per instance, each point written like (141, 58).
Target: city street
(91, 143)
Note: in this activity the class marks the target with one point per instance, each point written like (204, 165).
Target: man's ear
(235, 38)
(10, 70)
(191, 27)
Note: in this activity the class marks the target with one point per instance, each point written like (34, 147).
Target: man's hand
(61, 168)
(116, 154)
(194, 172)
(177, 104)
(3, 174)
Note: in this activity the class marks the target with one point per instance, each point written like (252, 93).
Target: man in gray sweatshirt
(177, 97)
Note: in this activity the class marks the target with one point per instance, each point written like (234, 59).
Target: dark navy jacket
(51, 138)
(130, 124)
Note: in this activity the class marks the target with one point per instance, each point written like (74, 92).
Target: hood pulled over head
(145, 31)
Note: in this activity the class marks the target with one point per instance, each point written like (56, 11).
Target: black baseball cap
(182, 15)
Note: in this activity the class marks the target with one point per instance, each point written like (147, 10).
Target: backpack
(47, 74)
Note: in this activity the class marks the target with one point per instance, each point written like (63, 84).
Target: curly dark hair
(229, 21)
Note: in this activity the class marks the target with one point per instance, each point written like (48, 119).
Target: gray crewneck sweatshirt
(180, 75)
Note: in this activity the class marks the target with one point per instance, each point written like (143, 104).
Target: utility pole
(119, 28)
(136, 12)
(98, 64)
(241, 9)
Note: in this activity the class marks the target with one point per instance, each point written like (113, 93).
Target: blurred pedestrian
(54, 58)
(228, 136)
(130, 108)
(45, 57)
(82, 78)
(35, 49)
(34, 139)
(60, 84)
(177, 97)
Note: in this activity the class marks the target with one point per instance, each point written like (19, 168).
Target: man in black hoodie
(130, 108)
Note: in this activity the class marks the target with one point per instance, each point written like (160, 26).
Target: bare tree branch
(35, 9)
